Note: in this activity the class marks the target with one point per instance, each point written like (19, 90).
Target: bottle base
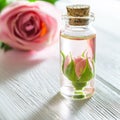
(69, 93)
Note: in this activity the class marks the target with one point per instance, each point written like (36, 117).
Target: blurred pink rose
(29, 25)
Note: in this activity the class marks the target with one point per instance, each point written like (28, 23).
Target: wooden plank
(30, 91)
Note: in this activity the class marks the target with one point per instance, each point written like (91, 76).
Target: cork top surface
(78, 6)
(78, 10)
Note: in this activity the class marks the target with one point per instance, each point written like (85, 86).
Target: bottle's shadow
(58, 108)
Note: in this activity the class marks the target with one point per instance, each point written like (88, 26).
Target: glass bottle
(77, 49)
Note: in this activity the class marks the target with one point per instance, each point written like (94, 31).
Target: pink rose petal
(41, 32)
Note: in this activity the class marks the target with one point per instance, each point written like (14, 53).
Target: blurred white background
(107, 13)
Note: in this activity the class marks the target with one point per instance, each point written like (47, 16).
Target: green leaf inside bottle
(87, 74)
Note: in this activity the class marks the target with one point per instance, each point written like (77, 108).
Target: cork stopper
(78, 14)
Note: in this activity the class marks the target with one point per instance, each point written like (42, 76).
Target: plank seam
(116, 90)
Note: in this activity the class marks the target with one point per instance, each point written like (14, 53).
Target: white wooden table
(29, 84)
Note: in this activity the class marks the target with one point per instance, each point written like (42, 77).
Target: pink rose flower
(80, 64)
(29, 25)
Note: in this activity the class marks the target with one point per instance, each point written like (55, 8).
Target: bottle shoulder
(79, 32)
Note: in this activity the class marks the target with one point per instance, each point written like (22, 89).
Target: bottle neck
(78, 27)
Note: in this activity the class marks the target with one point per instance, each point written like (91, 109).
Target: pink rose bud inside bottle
(77, 49)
